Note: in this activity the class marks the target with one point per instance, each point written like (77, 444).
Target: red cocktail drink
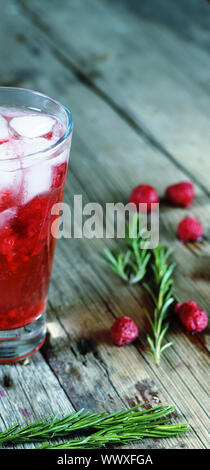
(34, 152)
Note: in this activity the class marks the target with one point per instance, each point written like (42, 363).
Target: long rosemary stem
(161, 295)
(114, 427)
(119, 436)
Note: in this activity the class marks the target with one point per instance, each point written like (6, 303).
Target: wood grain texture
(154, 78)
(109, 156)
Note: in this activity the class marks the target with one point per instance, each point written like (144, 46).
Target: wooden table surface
(137, 82)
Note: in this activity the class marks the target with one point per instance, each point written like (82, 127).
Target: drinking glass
(29, 187)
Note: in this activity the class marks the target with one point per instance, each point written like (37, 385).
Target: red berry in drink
(123, 331)
(181, 194)
(48, 135)
(190, 229)
(59, 173)
(6, 198)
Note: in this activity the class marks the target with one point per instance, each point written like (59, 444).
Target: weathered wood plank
(84, 297)
(93, 147)
(155, 79)
(29, 391)
(188, 19)
(92, 321)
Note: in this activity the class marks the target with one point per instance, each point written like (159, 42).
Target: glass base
(21, 342)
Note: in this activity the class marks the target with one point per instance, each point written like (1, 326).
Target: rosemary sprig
(120, 426)
(47, 428)
(119, 436)
(118, 262)
(130, 266)
(123, 436)
(161, 295)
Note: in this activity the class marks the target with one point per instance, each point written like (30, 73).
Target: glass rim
(55, 144)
